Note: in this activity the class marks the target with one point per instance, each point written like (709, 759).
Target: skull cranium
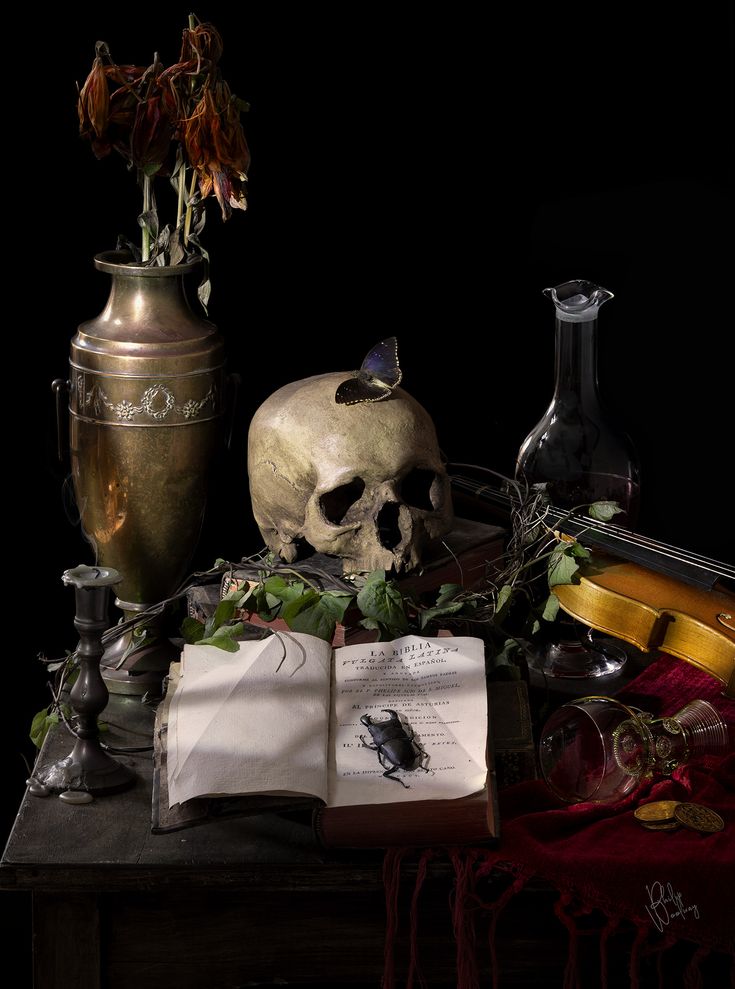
(363, 482)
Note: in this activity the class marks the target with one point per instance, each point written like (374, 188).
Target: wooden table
(226, 904)
(242, 902)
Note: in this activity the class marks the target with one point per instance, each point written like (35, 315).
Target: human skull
(363, 482)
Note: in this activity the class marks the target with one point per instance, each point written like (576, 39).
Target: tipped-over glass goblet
(598, 749)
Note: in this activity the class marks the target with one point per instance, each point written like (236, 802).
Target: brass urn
(147, 396)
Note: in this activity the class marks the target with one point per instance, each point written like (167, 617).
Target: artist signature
(666, 905)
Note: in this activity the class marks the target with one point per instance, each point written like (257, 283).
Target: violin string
(614, 532)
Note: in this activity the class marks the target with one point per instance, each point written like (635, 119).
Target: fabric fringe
(413, 968)
(496, 909)
(463, 917)
(658, 950)
(469, 866)
(692, 978)
(571, 975)
(635, 955)
(464, 904)
(610, 928)
(391, 885)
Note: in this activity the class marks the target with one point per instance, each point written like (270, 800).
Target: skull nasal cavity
(336, 504)
(416, 488)
(388, 531)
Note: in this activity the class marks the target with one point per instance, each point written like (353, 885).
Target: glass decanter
(576, 447)
(583, 456)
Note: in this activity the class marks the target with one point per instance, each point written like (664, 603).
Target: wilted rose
(94, 101)
(216, 147)
(150, 138)
(169, 121)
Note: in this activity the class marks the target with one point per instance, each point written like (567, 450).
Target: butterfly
(376, 379)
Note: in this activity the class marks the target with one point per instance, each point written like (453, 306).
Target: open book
(277, 725)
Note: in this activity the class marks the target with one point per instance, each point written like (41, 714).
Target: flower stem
(146, 244)
(180, 204)
(189, 211)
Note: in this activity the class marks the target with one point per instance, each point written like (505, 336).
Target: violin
(653, 595)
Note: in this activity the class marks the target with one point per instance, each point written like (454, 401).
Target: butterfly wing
(382, 363)
(361, 388)
(379, 375)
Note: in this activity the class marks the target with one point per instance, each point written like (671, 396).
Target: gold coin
(659, 810)
(661, 825)
(699, 818)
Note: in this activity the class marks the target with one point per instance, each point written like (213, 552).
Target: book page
(437, 688)
(251, 721)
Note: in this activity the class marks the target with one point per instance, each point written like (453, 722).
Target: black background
(423, 174)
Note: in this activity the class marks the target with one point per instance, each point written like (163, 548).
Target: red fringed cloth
(672, 886)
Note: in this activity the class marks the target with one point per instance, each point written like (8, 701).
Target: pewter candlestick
(88, 768)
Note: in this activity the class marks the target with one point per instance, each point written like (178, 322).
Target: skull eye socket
(336, 504)
(416, 488)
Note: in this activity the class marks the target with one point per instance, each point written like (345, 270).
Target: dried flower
(94, 101)
(201, 44)
(171, 120)
(216, 147)
(150, 136)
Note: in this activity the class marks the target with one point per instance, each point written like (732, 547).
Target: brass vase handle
(60, 388)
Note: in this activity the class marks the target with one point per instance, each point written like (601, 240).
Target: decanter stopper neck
(577, 303)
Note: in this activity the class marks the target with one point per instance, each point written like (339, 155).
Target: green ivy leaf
(505, 595)
(192, 630)
(224, 637)
(222, 613)
(39, 727)
(244, 596)
(277, 586)
(603, 511)
(297, 604)
(562, 566)
(580, 551)
(381, 599)
(235, 593)
(504, 667)
(338, 602)
(551, 608)
(321, 617)
(447, 592)
(259, 601)
(439, 611)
